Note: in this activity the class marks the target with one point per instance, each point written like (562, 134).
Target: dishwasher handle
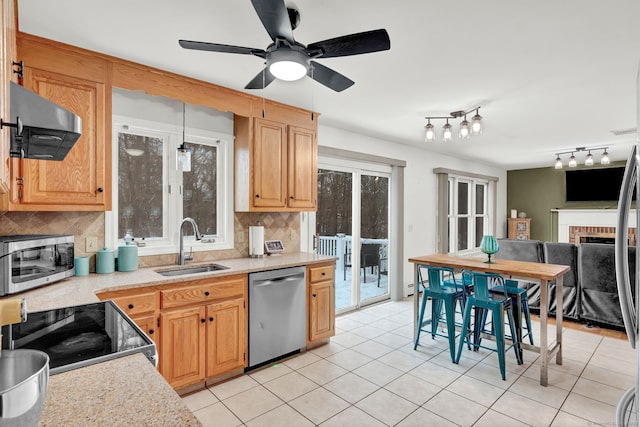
(279, 280)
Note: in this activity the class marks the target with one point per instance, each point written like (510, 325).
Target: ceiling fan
(289, 60)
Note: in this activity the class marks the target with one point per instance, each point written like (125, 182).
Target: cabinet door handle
(211, 319)
(130, 306)
(203, 320)
(257, 195)
(100, 189)
(206, 294)
(291, 197)
(151, 331)
(314, 295)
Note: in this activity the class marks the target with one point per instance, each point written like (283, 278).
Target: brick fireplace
(588, 234)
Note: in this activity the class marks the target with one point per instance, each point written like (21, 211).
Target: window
(467, 213)
(465, 210)
(151, 197)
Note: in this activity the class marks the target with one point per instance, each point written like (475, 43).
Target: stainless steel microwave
(28, 261)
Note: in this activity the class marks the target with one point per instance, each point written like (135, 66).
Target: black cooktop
(78, 336)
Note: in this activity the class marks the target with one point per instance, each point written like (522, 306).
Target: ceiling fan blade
(328, 77)
(353, 44)
(275, 18)
(215, 47)
(261, 80)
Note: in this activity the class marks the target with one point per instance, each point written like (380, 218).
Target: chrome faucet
(181, 256)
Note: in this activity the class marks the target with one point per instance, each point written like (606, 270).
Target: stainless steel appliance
(31, 260)
(75, 337)
(277, 314)
(627, 413)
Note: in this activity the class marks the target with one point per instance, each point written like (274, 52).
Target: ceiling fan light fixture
(288, 64)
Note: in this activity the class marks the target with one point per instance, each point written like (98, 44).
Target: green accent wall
(537, 192)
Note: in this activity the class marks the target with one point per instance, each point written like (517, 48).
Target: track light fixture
(466, 129)
(573, 162)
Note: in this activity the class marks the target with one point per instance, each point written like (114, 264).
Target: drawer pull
(206, 294)
(323, 273)
(130, 306)
(151, 331)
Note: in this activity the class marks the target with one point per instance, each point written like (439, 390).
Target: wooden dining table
(517, 269)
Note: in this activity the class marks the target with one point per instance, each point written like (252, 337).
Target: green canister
(128, 258)
(105, 261)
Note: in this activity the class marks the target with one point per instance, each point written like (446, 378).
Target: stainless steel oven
(31, 260)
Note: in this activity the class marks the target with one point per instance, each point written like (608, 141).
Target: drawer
(135, 304)
(186, 295)
(325, 272)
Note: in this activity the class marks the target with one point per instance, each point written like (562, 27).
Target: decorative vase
(489, 245)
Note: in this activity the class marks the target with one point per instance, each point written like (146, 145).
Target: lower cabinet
(199, 327)
(226, 332)
(322, 305)
(182, 360)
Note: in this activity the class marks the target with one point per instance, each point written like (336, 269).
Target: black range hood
(40, 129)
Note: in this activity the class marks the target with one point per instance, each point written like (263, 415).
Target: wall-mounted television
(593, 185)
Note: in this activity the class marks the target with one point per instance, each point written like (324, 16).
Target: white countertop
(82, 289)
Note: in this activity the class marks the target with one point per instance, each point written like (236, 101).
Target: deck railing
(340, 245)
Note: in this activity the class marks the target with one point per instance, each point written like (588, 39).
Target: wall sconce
(183, 157)
(573, 162)
(466, 129)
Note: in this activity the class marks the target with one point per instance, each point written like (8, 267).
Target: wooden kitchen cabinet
(276, 166)
(226, 332)
(182, 360)
(199, 326)
(141, 307)
(82, 181)
(519, 228)
(321, 296)
(7, 56)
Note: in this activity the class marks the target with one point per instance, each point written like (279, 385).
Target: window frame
(446, 208)
(173, 189)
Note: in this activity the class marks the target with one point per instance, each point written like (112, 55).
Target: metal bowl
(23, 386)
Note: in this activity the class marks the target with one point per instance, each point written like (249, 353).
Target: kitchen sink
(193, 270)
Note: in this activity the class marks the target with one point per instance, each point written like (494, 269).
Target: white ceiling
(550, 75)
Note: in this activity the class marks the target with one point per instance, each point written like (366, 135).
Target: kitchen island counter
(127, 391)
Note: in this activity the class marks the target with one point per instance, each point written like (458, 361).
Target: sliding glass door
(352, 223)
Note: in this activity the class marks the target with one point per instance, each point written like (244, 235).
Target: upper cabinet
(82, 181)
(276, 165)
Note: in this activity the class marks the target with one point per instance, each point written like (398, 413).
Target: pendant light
(183, 159)
(558, 164)
(604, 160)
(572, 161)
(589, 160)
(446, 136)
(430, 133)
(464, 129)
(476, 123)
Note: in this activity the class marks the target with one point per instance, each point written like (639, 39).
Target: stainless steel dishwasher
(277, 314)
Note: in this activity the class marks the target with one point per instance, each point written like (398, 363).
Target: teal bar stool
(441, 294)
(498, 303)
(520, 304)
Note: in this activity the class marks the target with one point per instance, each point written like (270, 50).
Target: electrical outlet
(241, 236)
(293, 235)
(91, 244)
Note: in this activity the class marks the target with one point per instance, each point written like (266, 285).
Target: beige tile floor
(369, 375)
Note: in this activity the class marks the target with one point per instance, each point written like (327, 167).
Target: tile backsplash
(284, 226)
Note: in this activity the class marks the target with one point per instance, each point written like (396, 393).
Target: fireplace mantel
(589, 221)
